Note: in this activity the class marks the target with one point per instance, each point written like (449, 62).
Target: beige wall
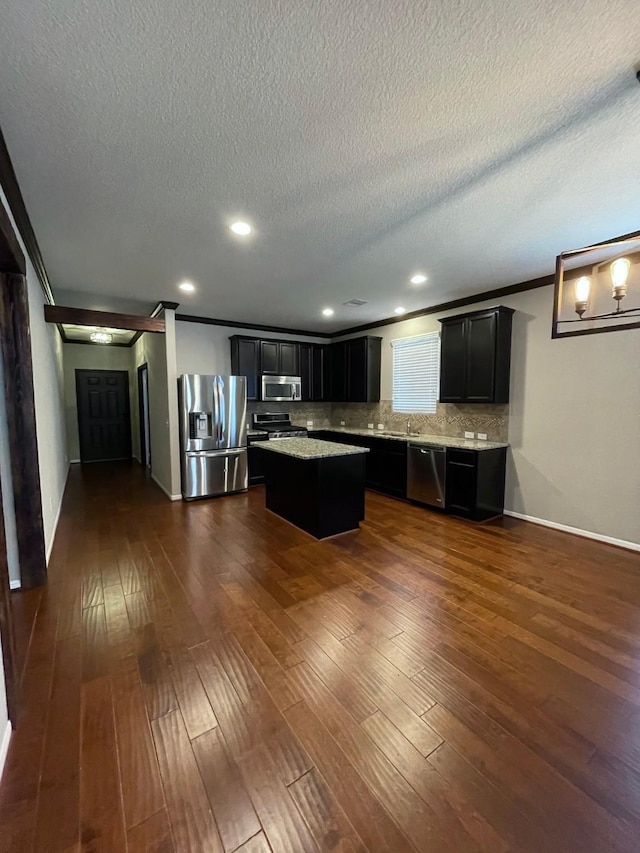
(159, 353)
(574, 419)
(87, 357)
(202, 348)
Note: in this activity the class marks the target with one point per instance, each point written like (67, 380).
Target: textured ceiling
(469, 139)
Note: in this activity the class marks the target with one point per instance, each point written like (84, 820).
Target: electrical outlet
(469, 434)
(369, 426)
(342, 423)
(309, 423)
(482, 436)
(380, 426)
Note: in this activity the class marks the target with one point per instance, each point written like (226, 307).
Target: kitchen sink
(398, 434)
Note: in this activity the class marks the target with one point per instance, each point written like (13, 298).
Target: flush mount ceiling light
(399, 310)
(418, 278)
(101, 337)
(593, 276)
(242, 229)
(187, 286)
(328, 312)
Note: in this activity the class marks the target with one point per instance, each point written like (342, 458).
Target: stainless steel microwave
(276, 389)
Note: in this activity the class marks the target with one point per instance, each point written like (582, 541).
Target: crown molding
(11, 189)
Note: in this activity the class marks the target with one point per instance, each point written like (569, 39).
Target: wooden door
(270, 357)
(103, 415)
(481, 358)
(289, 364)
(245, 356)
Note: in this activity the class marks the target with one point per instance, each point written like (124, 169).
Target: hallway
(206, 677)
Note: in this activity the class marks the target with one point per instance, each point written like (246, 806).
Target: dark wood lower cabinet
(255, 461)
(324, 497)
(475, 479)
(475, 482)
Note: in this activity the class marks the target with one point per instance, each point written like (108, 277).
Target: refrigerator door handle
(202, 454)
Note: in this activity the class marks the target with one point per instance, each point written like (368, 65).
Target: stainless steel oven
(285, 389)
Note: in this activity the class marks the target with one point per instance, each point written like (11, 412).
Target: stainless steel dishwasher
(426, 472)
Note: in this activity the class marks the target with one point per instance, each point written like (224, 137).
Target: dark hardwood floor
(205, 677)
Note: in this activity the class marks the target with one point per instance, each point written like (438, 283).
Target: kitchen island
(316, 485)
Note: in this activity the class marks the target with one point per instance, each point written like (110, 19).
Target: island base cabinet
(324, 497)
(475, 483)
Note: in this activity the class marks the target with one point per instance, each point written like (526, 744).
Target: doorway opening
(143, 409)
(104, 425)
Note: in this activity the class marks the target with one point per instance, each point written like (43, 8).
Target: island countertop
(311, 448)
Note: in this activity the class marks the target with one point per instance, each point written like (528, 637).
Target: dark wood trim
(7, 635)
(163, 305)
(498, 293)
(256, 327)
(135, 338)
(15, 341)
(9, 183)
(86, 317)
(141, 424)
(11, 255)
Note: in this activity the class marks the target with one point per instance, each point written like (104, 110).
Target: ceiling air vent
(355, 303)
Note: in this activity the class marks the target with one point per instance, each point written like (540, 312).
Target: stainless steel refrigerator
(213, 435)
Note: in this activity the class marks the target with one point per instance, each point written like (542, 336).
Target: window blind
(416, 373)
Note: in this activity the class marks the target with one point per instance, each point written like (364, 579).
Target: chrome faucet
(408, 426)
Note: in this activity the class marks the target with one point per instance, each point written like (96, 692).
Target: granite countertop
(440, 440)
(311, 448)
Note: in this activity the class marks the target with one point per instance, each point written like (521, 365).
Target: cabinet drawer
(462, 457)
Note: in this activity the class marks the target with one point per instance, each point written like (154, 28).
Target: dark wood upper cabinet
(475, 357)
(270, 357)
(289, 358)
(279, 358)
(313, 372)
(345, 372)
(245, 361)
(339, 368)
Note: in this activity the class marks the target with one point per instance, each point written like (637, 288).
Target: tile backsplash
(449, 419)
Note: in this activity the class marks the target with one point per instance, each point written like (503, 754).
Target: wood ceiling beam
(85, 317)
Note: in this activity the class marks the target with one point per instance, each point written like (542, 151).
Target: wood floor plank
(192, 822)
(206, 677)
(101, 814)
(232, 807)
(139, 774)
(152, 835)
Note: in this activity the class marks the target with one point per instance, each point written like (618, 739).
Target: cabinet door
(338, 373)
(481, 358)
(288, 359)
(306, 376)
(460, 495)
(245, 362)
(269, 357)
(357, 370)
(452, 361)
(318, 374)
(255, 460)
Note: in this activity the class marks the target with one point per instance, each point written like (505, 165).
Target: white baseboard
(15, 584)
(75, 461)
(57, 519)
(165, 490)
(577, 531)
(4, 746)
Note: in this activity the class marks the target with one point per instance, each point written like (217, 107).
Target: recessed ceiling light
(241, 228)
(186, 286)
(399, 310)
(328, 312)
(418, 278)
